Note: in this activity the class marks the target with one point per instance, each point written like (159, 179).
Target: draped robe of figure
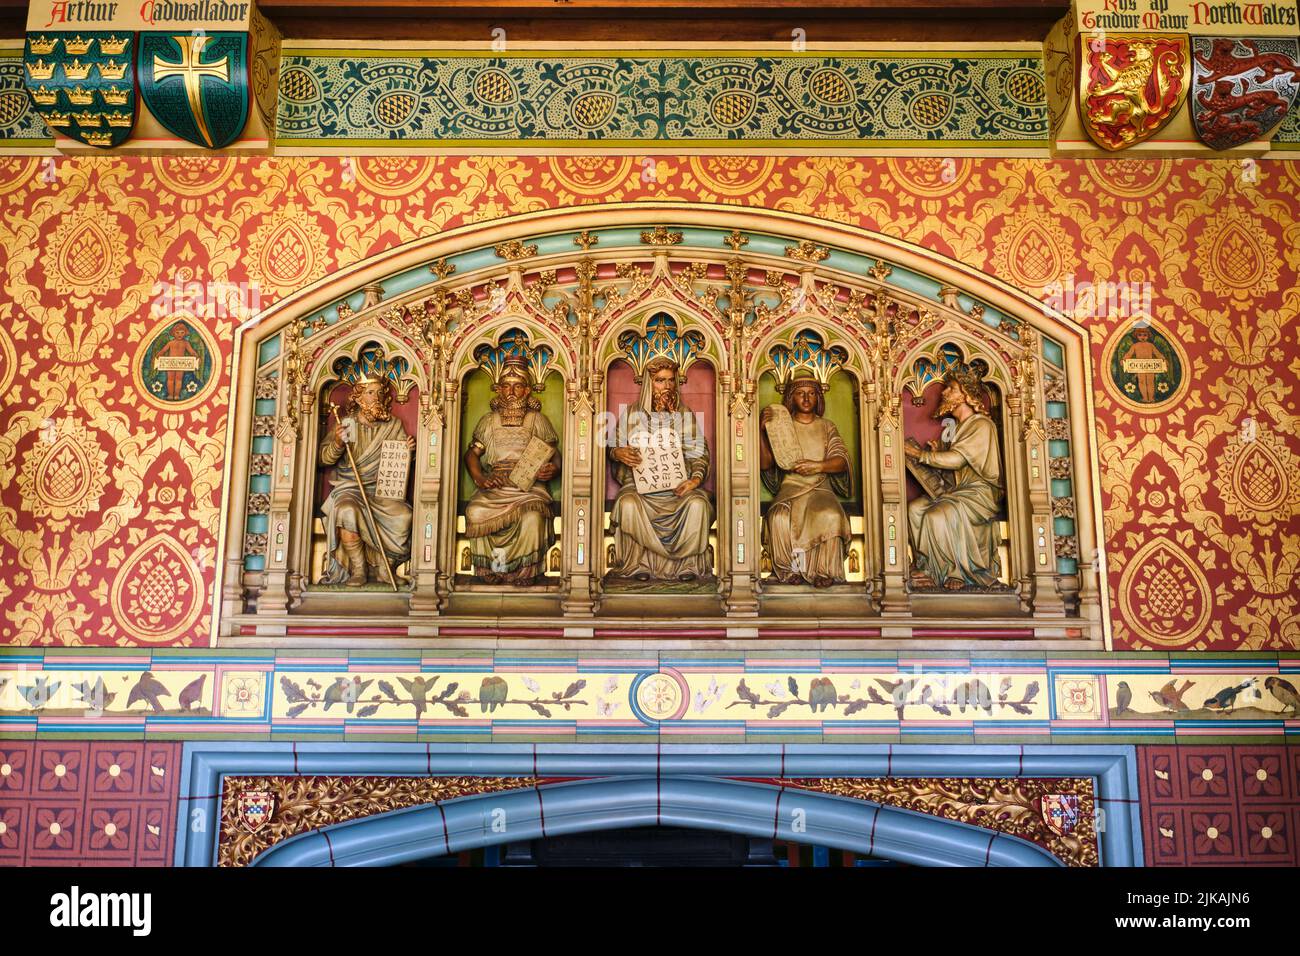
(345, 509)
(806, 513)
(956, 535)
(516, 522)
(660, 534)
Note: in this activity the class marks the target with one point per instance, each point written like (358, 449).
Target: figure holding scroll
(806, 464)
(358, 520)
(512, 456)
(661, 534)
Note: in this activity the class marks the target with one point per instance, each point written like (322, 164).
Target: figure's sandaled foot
(355, 581)
(822, 582)
(954, 584)
(641, 576)
(686, 577)
(922, 580)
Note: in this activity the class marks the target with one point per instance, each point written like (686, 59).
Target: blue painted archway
(695, 802)
(684, 785)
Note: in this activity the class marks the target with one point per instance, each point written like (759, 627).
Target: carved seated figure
(806, 529)
(954, 534)
(367, 536)
(661, 535)
(509, 528)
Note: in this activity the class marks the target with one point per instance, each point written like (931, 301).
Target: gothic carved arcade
(864, 431)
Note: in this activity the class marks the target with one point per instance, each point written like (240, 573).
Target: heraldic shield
(197, 85)
(1242, 89)
(255, 808)
(83, 84)
(1130, 85)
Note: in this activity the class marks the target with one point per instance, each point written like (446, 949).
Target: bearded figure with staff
(367, 536)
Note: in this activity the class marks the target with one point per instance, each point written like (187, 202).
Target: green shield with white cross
(196, 84)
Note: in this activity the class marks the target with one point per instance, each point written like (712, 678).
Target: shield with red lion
(1130, 85)
(1242, 89)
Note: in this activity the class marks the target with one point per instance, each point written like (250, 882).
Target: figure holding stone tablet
(662, 533)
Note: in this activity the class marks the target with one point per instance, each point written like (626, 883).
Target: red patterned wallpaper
(110, 480)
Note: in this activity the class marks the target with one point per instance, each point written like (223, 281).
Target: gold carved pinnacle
(976, 312)
(660, 236)
(585, 240)
(807, 251)
(880, 271)
(345, 311)
(515, 250)
(442, 268)
(737, 240)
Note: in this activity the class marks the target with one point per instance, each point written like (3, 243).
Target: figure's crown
(370, 366)
(661, 340)
(514, 351)
(806, 353)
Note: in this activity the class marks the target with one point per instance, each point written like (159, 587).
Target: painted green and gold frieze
(722, 98)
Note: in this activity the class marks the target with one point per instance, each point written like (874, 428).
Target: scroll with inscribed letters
(781, 436)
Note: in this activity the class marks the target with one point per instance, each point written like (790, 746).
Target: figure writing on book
(358, 520)
(511, 457)
(954, 531)
(662, 534)
(806, 530)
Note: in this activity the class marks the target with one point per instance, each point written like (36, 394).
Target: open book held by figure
(933, 481)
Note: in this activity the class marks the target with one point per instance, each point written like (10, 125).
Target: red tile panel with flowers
(70, 803)
(1209, 806)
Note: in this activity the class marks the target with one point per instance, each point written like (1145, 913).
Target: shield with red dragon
(1242, 89)
(1130, 85)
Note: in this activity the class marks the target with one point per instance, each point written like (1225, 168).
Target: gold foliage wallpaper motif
(111, 461)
